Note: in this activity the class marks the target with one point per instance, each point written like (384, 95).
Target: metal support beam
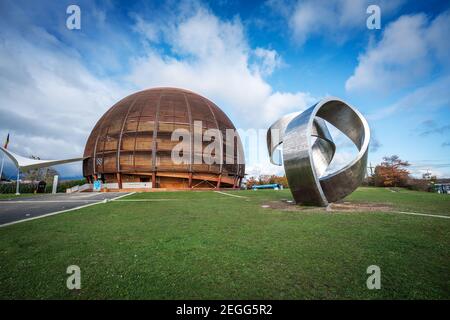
(190, 180)
(119, 180)
(218, 181)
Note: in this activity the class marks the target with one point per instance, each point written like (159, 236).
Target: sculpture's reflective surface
(308, 149)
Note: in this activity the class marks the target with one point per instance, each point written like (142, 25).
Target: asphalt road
(19, 208)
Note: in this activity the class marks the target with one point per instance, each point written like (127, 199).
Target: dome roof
(134, 135)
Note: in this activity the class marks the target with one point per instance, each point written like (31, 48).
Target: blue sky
(256, 60)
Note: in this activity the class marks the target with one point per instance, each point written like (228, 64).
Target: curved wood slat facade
(132, 142)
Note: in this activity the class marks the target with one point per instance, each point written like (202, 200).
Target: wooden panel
(146, 124)
(151, 102)
(110, 143)
(173, 109)
(166, 182)
(116, 125)
(109, 163)
(170, 127)
(200, 168)
(143, 161)
(173, 174)
(166, 145)
(164, 162)
(126, 161)
(144, 142)
(201, 112)
(128, 143)
(129, 178)
(131, 124)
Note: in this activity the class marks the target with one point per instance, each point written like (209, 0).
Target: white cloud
(49, 101)
(437, 37)
(267, 61)
(418, 171)
(212, 57)
(410, 48)
(279, 103)
(263, 168)
(432, 96)
(52, 91)
(340, 160)
(335, 19)
(149, 29)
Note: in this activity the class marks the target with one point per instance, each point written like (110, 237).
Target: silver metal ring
(308, 149)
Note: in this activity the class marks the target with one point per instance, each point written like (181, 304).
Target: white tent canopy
(24, 164)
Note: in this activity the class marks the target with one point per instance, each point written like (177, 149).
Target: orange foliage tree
(251, 182)
(392, 172)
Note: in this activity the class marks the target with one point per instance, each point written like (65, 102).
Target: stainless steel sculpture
(308, 149)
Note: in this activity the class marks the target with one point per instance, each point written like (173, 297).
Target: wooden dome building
(132, 143)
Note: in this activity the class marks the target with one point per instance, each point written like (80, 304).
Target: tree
(392, 172)
(251, 182)
(281, 180)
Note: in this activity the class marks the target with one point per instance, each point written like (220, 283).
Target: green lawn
(205, 245)
(405, 200)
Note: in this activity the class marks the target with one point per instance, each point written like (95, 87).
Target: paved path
(24, 208)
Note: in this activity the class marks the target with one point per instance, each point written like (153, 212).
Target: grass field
(206, 245)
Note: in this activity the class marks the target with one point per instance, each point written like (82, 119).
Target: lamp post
(17, 183)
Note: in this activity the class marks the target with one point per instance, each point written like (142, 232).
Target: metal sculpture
(308, 149)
